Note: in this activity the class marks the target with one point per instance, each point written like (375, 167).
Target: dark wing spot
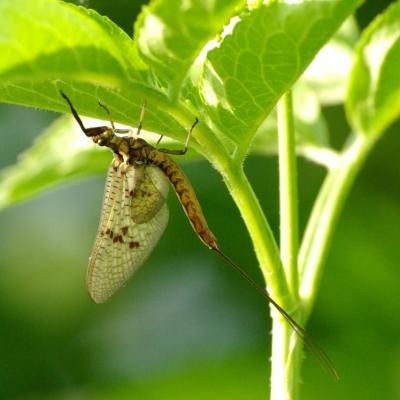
(134, 245)
(125, 230)
(118, 238)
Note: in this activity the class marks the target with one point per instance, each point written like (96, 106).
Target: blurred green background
(187, 326)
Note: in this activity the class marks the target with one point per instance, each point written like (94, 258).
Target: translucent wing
(134, 216)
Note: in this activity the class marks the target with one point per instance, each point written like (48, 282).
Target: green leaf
(311, 129)
(91, 59)
(373, 98)
(329, 72)
(47, 45)
(266, 51)
(62, 153)
(239, 81)
(51, 39)
(171, 34)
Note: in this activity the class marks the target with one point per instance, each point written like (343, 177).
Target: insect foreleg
(140, 125)
(185, 149)
(103, 106)
(115, 130)
(159, 140)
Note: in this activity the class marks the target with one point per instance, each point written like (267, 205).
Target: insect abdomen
(186, 195)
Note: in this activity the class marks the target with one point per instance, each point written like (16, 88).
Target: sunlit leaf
(329, 72)
(312, 139)
(85, 54)
(61, 153)
(253, 61)
(373, 99)
(170, 34)
(266, 51)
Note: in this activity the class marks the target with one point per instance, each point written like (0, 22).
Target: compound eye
(101, 142)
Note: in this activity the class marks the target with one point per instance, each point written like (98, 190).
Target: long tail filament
(321, 356)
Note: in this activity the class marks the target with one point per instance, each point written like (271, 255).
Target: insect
(135, 214)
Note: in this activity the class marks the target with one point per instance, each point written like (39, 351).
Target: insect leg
(159, 140)
(116, 130)
(140, 125)
(185, 149)
(103, 106)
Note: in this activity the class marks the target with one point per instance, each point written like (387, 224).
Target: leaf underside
(229, 73)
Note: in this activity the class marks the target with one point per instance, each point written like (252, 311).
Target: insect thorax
(128, 150)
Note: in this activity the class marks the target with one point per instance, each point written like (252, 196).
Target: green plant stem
(261, 234)
(268, 256)
(286, 349)
(288, 202)
(324, 217)
(285, 357)
(266, 249)
(285, 362)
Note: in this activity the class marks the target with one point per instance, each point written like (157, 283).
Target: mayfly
(135, 214)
